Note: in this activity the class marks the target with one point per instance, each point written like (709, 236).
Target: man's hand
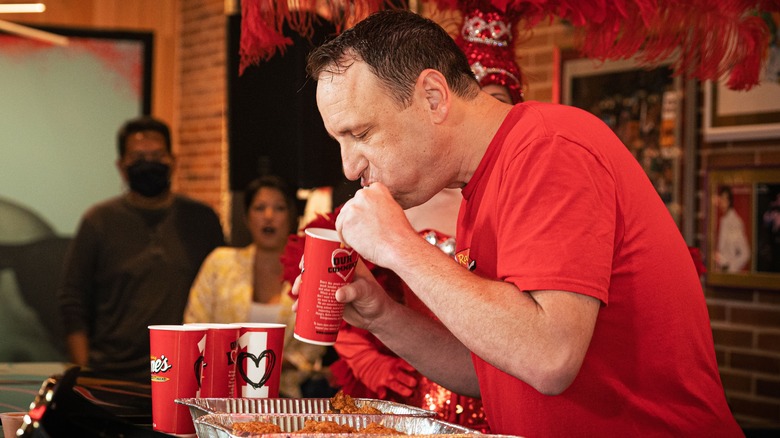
(374, 224)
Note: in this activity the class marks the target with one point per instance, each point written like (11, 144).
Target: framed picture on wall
(741, 115)
(61, 107)
(643, 106)
(747, 115)
(743, 238)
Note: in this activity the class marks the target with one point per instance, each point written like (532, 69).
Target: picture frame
(741, 115)
(62, 107)
(743, 235)
(643, 106)
(754, 114)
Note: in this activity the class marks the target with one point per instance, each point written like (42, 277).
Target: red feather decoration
(707, 39)
(262, 23)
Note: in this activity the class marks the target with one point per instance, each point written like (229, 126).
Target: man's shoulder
(106, 207)
(547, 110)
(197, 216)
(184, 202)
(544, 121)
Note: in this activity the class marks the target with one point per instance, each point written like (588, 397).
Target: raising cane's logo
(160, 365)
(464, 259)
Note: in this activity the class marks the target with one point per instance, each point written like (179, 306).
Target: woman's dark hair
(397, 45)
(276, 183)
(141, 124)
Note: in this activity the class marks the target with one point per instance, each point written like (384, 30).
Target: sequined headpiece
(487, 40)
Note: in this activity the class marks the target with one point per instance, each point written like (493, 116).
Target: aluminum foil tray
(221, 425)
(203, 406)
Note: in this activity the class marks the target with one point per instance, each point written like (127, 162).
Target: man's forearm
(430, 348)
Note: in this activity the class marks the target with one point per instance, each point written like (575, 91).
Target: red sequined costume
(487, 39)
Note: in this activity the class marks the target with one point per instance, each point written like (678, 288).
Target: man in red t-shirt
(578, 309)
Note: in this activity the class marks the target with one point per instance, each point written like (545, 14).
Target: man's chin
(407, 202)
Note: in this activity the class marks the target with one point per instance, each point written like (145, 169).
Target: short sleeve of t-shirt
(558, 214)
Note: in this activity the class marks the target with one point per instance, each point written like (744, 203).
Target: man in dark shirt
(133, 259)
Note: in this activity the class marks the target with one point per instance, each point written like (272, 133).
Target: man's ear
(122, 170)
(437, 94)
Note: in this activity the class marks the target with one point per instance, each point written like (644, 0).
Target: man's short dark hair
(140, 124)
(397, 45)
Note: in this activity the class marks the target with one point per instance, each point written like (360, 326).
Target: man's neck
(475, 132)
(162, 201)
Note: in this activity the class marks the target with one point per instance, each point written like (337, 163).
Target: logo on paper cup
(258, 363)
(342, 263)
(270, 361)
(160, 365)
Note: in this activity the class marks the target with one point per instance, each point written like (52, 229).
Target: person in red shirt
(366, 367)
(576, 309)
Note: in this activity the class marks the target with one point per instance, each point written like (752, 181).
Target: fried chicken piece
(311, 426)
(255, 427)
(378, 428)
(342, 403)
(366, 409)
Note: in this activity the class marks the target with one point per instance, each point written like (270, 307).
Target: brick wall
(745, 322)
(202, 101)
(539, 58)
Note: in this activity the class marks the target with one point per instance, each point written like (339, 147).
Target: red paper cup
(327, 265)
(259, 360)
(218, 373)
(176, 354)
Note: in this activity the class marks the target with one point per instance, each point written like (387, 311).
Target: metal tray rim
(215, 425)
(203, 406)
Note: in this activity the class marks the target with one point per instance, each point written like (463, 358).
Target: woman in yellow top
(246, 284)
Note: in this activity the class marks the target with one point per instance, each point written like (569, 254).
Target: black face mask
(149, 178)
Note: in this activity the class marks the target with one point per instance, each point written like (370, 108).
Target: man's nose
(352, 162)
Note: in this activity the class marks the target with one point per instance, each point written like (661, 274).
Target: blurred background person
(246, 284)
(133, 259)
(487, 38)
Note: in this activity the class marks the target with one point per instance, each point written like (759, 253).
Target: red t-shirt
(559, 203)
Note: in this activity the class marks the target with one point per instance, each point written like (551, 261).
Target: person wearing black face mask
(149, 178)
(145, 162)
(133, 259)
